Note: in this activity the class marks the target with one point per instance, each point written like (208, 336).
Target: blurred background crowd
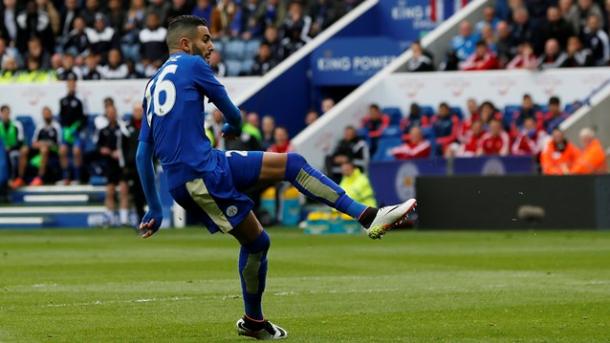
(44, 40)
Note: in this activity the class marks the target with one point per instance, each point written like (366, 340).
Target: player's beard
(198, 52)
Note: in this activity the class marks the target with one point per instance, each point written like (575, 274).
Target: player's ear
(186, 45)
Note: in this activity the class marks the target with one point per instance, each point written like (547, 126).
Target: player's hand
(150, 224)
(230, 131)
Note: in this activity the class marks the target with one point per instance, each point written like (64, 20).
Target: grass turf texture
(109, 286)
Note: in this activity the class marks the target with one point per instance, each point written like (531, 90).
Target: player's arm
(146, 170)
(144, 162)
(216, 92)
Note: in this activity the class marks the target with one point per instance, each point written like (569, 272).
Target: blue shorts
(216, 198)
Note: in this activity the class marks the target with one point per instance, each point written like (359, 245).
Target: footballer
(209, 183)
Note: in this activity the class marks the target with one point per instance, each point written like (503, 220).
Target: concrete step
(59, 195)
(23, 222)
(55, 216)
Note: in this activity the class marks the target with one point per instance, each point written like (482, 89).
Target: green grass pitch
(182, 286)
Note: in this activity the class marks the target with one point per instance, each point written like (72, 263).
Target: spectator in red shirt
(375, 123)
(470, 140)
(530, 140)
(416, 147)
(482, 59)
(282, 141)
(473, 115)
(555, 116)
(525, 59)
(495, 142)
(446, 126)
(488, 112)
(473, 109)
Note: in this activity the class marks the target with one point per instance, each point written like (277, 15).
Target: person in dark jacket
(264, 61)
(110, 149)
(130, 148)
(350, 148)
(73, 120)
(554, 26)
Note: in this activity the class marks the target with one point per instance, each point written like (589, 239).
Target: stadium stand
(118, 40)
(36, 49)
(529, 35)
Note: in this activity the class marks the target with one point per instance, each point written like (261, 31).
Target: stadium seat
(28, 127)
(252, 48)
(233, 67)
(392, 131)
(246, 66)
(428, 133)
(394, 113)
(89, 144)
(457, 111)
(427, 110)
(235, 50)
(219, 46)
(509, 113)
(384, 146)
(572, 107)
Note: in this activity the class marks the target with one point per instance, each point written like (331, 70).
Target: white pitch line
(110, 302)
(226, 297)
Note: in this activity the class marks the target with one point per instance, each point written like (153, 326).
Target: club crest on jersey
(231, 211)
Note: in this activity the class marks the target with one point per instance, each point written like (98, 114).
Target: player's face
(202, 44)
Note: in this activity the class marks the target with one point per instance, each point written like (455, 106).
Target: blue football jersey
(174, 108)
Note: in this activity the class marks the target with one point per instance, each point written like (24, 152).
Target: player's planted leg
(255, 244)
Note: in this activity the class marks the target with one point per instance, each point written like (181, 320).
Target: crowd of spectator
(71, 148)
(121, 39)
(518, 34)
(525, 130)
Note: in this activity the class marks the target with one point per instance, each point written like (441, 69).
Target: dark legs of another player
(65, 164)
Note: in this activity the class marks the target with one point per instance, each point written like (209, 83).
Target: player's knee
(295, 163)
(260, 244)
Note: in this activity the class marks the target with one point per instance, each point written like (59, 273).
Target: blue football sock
(253, 273)
(316, 185)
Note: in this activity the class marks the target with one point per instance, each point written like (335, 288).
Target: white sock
(124, 215)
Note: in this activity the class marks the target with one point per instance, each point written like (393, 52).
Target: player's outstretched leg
(255, 244)
(316, 185)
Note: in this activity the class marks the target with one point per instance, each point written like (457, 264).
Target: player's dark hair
(527, 96)
(4, 107)
(374, 107)
(182, 25)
